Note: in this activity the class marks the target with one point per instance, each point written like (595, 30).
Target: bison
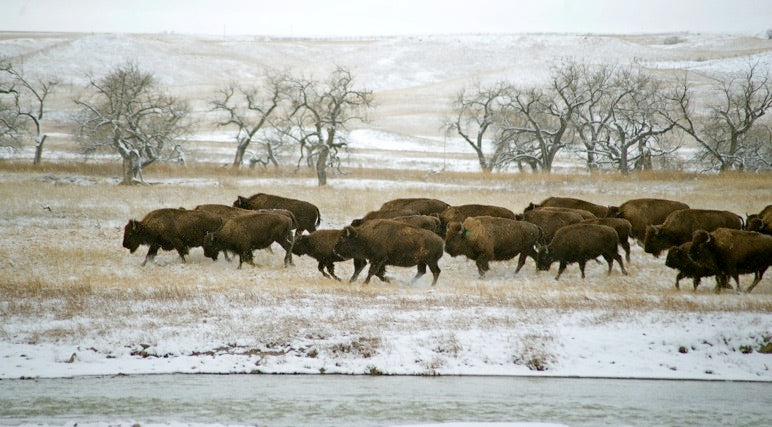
(320, 245)
(681, 224)
(678, 259)
(487, 238)
(585, 214)
(245, 233)
(383, 214)
(422, 205)
(599, 211)
(306, 214)
(550, 221)
(644, 212)
(168, 229)
(386, 242)
(580, 243)
(622, 227)
(761, 222)
(460, 213)
(732, 252)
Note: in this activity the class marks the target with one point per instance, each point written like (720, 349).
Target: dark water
(321, 400)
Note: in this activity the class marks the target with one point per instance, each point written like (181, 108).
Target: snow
(464, 326)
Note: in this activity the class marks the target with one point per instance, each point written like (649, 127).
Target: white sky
(386, 17)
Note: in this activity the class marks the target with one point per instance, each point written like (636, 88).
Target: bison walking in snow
(462, 212)
(383, 214)
(678, 259)
(320, 245)
(580, 243)
(422, 205)
(622, 227)
(487, 238)
(385, 242)
(597, 210)
(761, 222)
(168, 229)
(245, 233)
(306, 214)
(644, 212)
(550, 220)
(732, 252)
(681, 224)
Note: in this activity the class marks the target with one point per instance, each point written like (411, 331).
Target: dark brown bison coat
(427, 222)
(761, 222)
(622, 227)
(550, 221)
(585, 214)
(168, 229)
(462, 212)
(732, 252)
(383, 214)
(678, 259)
(644, 212)
(422, 205)
(245, 233)
(681, 224)
(386, 242)
(599, 211)
(225, 211)
(487, 238)
(320, 245)
(580, 243)
(306, 214)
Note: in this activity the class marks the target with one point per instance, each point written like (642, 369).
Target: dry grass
(61, 257)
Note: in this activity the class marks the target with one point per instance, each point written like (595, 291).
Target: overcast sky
(386, 17)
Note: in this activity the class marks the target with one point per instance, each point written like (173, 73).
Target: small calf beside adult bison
(417, 232)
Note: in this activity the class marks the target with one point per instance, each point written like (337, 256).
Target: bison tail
(318, 217)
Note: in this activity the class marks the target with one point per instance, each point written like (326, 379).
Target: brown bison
(732, 252)
(168, 229)
(460, 213)
(245, 233)
(383, 214)
(681, 224)
(385, 242)
(427, 222)
(622, 227)
(422, 205)
(599, 211)
(761, 222)
(320, 245)
(306, 214)
(487, 238)
(550, 221)
(580, 243)
(644, 212)
(678, 259)
(585, 214)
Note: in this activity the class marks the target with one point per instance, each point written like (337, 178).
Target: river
(320, 400)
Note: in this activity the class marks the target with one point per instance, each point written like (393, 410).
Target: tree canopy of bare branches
(128, 113)
(730, 136)
(252, 110)
(24, 102)
(319, 116)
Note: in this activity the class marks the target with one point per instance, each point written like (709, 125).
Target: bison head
(241, 202)
(701, 251)
(132, 235)
(543, 257)
(302, 245)
(211, 250)
(655, 241)
(455, 239)
(349, 244)
(678, 256)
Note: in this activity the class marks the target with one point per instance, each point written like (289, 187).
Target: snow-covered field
(73, 302)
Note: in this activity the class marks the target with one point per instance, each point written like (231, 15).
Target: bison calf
(732, 252)
(487, 238)
(580, 243)
(245, 233)
(385, 242)
(320, 245)
(678, 259)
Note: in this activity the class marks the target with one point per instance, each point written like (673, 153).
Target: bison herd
(410, 232)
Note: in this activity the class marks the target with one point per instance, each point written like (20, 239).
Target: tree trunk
(321, 165)
(241, 148)
(39, 141)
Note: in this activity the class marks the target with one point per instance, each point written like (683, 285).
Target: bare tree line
(611, 116)
(615, 117)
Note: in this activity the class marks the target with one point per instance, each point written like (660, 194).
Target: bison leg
(331, 269)
(678, 278)
(151, 253)
(626, 246)
(758, 275)
(482, 265)
(618, 258)
(359, 265)
(287, 246)
(420, 272)
(435, 269)
(561, 269)
(321, 266)
(721, 282)
(375, 270)
(581, 266)
(521, 261)
(246, 256)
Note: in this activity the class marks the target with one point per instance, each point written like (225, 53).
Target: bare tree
(250, 111)
(725, 133)
(535, 121)
(27, 104)
(128, 113)
(592, 119)
(477, 112)
(320, 114)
